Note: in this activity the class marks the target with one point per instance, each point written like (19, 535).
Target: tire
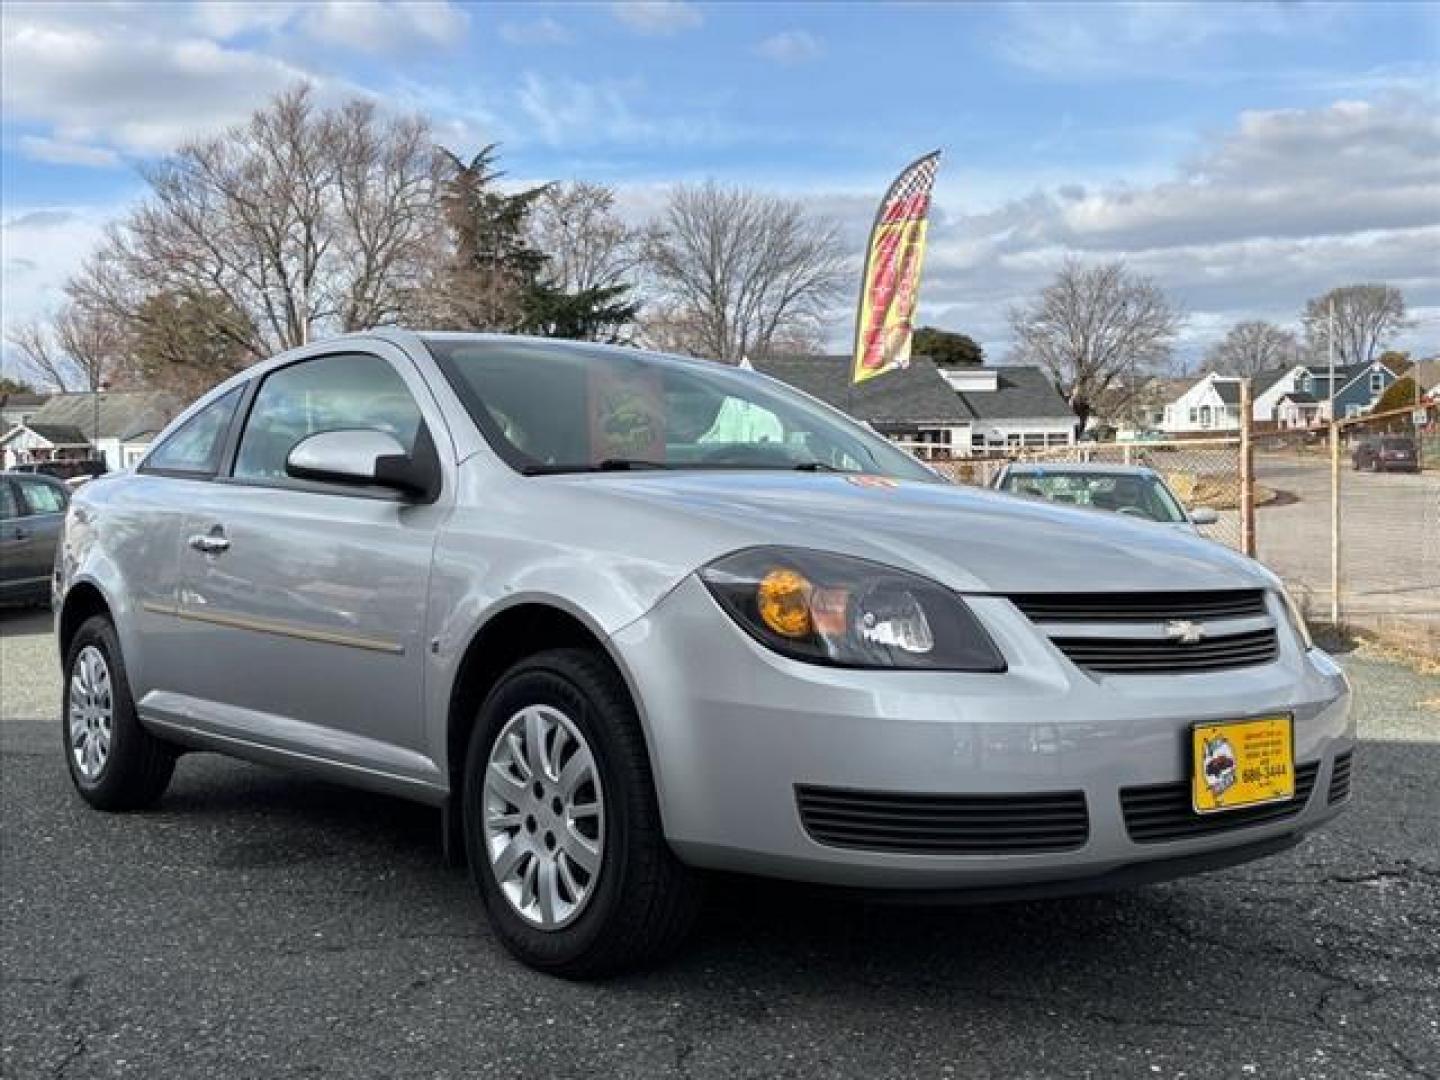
(641, 901)
(136, 767)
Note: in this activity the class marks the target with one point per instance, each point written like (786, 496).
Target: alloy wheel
(92, 712)
(544, 816)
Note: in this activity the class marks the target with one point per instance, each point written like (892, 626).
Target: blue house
(1357, 387)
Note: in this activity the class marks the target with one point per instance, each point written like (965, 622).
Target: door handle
(210, 543)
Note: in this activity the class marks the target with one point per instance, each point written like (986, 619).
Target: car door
(307, 600)
(42, 508)
(16, 559)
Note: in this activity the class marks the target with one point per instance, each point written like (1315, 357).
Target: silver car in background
(1137, 491)
(626, 618)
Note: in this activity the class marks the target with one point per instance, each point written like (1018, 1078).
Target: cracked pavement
(262, 925)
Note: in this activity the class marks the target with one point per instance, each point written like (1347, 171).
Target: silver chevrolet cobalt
(626, 618)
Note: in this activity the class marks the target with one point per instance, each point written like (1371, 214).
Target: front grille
(1131, 656)
(944, 824)
(1160, 812)
(1143, 606)
(1340, 777)
(1128, 633)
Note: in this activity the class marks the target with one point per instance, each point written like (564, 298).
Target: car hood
(968, 538)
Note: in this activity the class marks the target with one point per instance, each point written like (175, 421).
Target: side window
(330, 393)
(40, 497)
(198, 443)
(8, 507)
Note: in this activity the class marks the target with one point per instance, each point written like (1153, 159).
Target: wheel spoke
(567, 876)
(535, 728)
(548, 889)
(527, 882)
(501, 782)
(505, 863)
(577, 770)
(585, 852)
(517, 755)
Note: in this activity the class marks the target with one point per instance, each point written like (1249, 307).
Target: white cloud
(790, 47)
(1285, 205)
(657, 17)
(126, 87)
(541, 31)
(1089, 41)
(59, 152)
(375, 26)
(41, 248)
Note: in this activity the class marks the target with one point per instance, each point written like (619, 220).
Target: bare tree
(1094, 330)
(736, 270)
(76, 349)
(589, 246)
(1252, 347)
(299, 221)
(1366, 318)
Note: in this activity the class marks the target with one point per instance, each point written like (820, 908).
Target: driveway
(260, 925)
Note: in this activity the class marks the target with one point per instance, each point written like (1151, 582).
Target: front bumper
(733, 729)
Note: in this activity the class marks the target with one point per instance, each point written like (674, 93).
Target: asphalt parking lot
(259, 925)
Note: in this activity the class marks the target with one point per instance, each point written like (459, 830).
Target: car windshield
(1396, 442)
(1135, 494)
(550, 407)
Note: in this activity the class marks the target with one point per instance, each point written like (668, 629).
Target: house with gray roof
(939, 411)
(113, 426)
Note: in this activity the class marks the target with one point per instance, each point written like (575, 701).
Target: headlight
(832, 609)
(1297, 619)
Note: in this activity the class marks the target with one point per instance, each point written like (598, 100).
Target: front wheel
(114, 763)
(562, 827)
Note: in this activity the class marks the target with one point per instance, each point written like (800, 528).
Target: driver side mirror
(360, 457)
(1203, 515)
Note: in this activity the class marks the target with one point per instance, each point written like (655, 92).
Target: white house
(1211, 405)
(116, 427)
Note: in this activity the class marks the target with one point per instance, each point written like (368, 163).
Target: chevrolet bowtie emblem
(1184, 631)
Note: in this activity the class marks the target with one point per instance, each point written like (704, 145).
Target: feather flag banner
(890, 284)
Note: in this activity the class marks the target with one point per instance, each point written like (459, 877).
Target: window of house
(195, 447)
(1012, 439)
(1034, 438)
(1194, 416)
(977, 442)
(1057, 438)
(1377, 382)
(1204, 415)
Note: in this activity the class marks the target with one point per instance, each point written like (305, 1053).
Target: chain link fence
(1203, 473)
(1356, 533)
(1353, 530)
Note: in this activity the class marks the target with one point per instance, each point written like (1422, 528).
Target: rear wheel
(114, 763)
(562, 827)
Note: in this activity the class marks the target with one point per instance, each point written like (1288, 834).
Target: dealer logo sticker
(1218, 766)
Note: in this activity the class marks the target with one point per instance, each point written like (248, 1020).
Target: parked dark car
(65, 470)
(32, 511)
(1386, 453)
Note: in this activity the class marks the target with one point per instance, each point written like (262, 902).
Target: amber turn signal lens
(783, 599)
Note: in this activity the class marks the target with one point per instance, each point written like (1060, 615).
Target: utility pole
(1334, 483)
(1247, 470)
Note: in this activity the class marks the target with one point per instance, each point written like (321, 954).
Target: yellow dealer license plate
(1242, 763)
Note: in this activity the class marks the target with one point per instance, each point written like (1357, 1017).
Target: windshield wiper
(605, 465)
(817, 466)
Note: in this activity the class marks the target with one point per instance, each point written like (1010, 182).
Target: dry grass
(1375, 649)
(1218, 491)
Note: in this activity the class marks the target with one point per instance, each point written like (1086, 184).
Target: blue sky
(1245, 156)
